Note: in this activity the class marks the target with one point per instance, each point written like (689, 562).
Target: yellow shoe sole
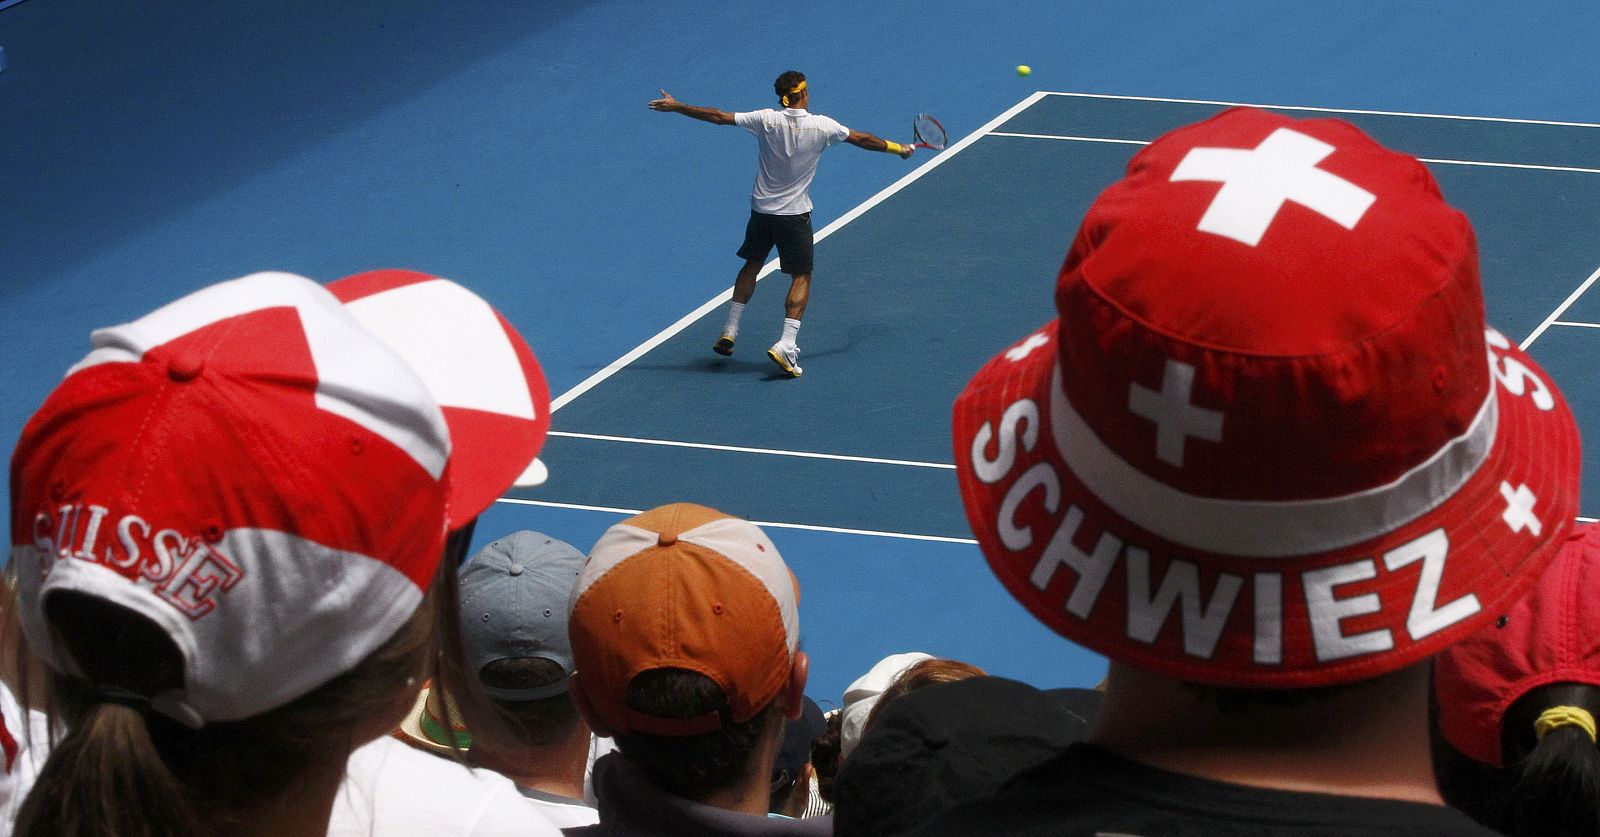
(794, 371)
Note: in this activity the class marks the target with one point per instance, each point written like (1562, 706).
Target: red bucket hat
(1269, 441)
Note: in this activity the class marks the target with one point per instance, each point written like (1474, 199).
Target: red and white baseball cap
(1551, 635)
(475, 365)
(251, 469)
(1269, 440)
(684, 587)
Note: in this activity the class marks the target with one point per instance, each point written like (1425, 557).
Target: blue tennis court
(942, 270)
(152, 149)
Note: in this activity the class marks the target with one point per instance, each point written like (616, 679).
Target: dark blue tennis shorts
(791, 234)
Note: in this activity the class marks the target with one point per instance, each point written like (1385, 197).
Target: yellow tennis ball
(1023, 69)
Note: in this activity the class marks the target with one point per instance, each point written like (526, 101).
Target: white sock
(791, 328)
(735, 311)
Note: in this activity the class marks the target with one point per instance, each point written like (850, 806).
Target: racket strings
(928, 131)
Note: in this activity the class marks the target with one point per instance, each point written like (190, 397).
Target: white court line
(873, 460)
(1576, 325)
(1534, 166)
(1556, 314)
(1329, 110)
(1069, 138)
(764, 523)
(803, 526)
(683, 322)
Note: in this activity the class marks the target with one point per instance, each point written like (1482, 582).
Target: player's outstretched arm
(861, 139)
(667, 104)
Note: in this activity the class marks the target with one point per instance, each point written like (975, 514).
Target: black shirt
(1090, 791)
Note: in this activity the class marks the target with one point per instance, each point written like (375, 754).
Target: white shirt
(792, 141)
(30, 730)
(597, 747)
(565, 813)
(393, 790)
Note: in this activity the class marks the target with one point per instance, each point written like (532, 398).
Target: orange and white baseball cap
(684, 587)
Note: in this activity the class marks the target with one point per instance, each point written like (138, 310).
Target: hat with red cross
(1269, 440)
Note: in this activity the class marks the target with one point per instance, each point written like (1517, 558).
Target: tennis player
(791, 140)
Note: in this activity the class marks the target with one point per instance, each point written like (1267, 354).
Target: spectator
(496, 404)
(825, 756)
(1517, 703)
(225, 534)
(951, 742)
(1268, 460)
(794, 780)
(516, 704)
(916, 676)
(686, 636)
(25, 733)
(862, 694)
(432, 728)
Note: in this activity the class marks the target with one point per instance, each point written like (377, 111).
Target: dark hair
(691, 766)
(133, 772)
(1554, 782)
(786, 83)
(825, 755)
(915, 676)
(528, 722)
(1548, 786)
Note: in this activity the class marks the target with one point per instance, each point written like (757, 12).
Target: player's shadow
(749, 361)
(807, 358)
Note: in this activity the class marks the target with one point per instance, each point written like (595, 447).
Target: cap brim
(1100, 580)
(482, 373)
(410, 730)
(536, 474)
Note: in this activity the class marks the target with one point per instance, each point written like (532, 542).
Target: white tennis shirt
(792, 141)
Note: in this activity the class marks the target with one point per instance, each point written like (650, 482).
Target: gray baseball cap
(514, 597)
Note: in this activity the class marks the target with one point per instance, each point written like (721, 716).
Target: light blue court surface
(150, 149)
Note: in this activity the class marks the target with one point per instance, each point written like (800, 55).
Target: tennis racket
(928, 132)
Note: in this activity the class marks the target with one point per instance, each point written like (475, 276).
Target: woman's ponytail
(106, 777)
(1550, 749)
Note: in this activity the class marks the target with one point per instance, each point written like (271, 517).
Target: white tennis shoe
(787, 358)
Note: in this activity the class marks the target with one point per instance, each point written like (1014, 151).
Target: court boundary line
(683, 322)
(1556, 314)
(841, 457)
(1575, 324)
(1325, 110)
(987, 129)
(808, 527)
(1484, 163)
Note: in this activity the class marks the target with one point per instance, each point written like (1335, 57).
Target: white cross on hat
(1519, 509)
(1026, 347)
(1175, 417)
(1257, 182)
